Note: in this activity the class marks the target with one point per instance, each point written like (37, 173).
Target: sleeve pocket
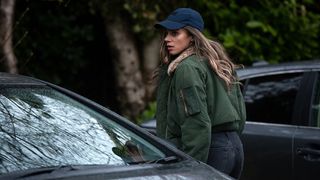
(190, 100)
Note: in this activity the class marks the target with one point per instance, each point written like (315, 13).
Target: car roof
(289, 67)
(15, 79)
(244, 73)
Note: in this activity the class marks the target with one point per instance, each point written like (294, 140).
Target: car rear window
(315, 116)
(271, 98)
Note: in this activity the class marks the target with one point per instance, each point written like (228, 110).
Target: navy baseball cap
(180, 18)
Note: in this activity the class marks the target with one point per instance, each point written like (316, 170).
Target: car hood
(184, 170)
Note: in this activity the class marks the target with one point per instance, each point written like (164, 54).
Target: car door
(307, 138)
(270, 128)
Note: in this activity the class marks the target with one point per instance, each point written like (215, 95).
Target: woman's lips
(170, 48)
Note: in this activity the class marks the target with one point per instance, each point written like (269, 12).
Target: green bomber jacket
(192, 103)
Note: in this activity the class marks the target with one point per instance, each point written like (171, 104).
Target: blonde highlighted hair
(210, 50)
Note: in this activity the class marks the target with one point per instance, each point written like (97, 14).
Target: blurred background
(107, 50)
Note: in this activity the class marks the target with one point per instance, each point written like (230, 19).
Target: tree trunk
(130, 87)
(6, 19)
(150, 63)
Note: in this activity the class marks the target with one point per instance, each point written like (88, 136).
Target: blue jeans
(226, 153)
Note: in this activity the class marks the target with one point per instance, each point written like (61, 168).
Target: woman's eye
(174, 33)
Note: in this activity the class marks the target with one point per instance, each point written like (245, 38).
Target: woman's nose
(167, 38)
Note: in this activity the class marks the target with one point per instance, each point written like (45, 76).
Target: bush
(271, 30)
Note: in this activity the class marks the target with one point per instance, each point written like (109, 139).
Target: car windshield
(41, 127)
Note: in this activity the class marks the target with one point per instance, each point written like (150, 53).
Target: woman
(200, 108)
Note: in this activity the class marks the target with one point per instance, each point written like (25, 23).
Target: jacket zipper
(184, 103)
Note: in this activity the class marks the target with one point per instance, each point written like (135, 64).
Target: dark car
(281, 137)
(47, 132)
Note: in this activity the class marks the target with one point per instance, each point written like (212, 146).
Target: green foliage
(271, 30)
(143, 14)
(148, 113)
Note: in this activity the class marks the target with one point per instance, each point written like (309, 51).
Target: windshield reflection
(42, 128)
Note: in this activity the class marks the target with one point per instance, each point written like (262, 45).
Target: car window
(271, 98)
(315, 114)
(40, 127)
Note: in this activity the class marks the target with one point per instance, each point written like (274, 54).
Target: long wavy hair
(207, 49)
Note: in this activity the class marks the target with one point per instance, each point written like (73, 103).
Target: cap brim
(170, 25)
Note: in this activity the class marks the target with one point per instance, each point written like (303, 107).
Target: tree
(135, 47)
(130, 85)
(62, 43)
(6, 20)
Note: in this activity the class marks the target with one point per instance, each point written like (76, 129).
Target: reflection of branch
(31, 150)
(33, 136)
(10, 116)
(31, 112)
(114, 137)
(8, 159)
(15, 146)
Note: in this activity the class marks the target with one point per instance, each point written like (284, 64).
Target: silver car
(47, 132)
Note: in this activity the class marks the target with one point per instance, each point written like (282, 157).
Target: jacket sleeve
(192, 106)
(161, 108)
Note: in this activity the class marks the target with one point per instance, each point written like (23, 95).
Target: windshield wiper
(165, 160)
(39, 172)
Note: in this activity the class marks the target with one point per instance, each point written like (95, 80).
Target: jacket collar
(173, 64)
